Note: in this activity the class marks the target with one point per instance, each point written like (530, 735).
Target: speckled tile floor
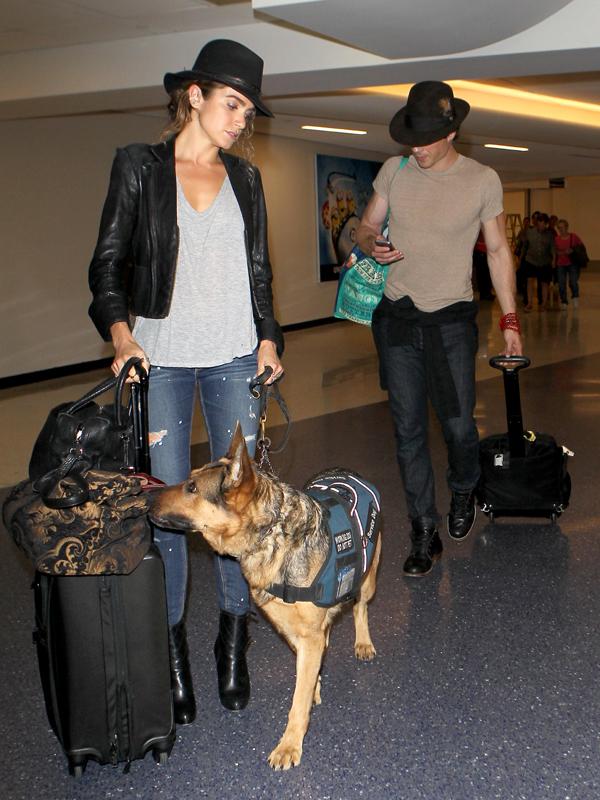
(485, 684)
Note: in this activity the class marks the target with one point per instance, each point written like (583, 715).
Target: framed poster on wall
(344, 186)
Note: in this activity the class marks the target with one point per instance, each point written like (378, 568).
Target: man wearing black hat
(424, 327)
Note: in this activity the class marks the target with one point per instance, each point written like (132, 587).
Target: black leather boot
(426, 548)
(184, 703)
(232, 668)
(462, 515)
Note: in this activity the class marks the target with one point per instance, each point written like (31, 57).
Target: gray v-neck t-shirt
(210, 320)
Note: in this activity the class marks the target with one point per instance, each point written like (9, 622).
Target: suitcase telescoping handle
(510, 366)
(139, 413)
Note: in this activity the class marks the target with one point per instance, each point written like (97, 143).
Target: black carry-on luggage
(103, 652)
(523, 473)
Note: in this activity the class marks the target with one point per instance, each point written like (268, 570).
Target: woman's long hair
(179, 110)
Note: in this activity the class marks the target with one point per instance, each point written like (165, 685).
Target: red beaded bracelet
(510, 322)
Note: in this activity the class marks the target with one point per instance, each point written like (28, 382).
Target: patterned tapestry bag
(362, 281)
(109, 534)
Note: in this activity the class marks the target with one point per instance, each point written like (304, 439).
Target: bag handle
(119, 381)
(80, 492)
(401, 164)
(49, 482)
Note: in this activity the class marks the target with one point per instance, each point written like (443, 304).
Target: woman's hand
(267, 357)
(126, 347)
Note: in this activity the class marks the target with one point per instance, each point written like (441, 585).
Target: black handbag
(82, 435)
(579, 256)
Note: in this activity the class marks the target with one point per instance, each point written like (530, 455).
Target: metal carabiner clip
(258, 380)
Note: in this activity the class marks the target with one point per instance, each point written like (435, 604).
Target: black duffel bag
(82, 435)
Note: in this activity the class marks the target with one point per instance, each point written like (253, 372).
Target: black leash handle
(260, 389)
(258, 381)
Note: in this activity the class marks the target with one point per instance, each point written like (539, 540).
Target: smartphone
(381, 241)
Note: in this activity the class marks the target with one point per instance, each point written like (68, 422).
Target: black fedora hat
(228, 62)
(431, 113)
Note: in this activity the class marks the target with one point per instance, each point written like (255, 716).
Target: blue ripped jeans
(224, 398)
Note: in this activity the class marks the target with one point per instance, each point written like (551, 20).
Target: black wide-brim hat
(228, 62)
(431, 113)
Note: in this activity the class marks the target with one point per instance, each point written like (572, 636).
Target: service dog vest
(351, 512)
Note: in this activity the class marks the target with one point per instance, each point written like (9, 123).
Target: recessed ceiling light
(507, 147)
(333, 130)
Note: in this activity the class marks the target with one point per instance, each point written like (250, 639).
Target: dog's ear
(236, 440)
(239, 472)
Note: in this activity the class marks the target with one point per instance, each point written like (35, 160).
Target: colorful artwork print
(344, 186)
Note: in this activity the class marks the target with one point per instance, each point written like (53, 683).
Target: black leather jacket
(133, 268)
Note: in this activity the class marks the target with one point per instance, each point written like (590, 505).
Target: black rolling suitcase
(103, 653)
(523, 473)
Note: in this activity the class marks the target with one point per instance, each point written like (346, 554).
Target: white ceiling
(403, 29)
(82, 56)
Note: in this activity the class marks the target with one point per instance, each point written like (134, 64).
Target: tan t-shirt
(435, 218)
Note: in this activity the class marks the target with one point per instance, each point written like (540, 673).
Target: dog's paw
(317, 694)
(364, 652)
(285, 756)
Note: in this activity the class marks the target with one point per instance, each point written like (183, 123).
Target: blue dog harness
(351, 513)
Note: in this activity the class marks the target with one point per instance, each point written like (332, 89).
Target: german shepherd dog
(276, 532)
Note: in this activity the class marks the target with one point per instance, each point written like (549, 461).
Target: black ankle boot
(232, 668)
(184, 703)
(461, 516)
(426, 548)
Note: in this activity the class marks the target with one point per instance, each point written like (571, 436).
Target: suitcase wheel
(161, 757)
(77, 766)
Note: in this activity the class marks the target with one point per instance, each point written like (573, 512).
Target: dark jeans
(573, 274)
(403, 374)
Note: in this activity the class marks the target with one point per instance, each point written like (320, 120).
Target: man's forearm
(503, 278)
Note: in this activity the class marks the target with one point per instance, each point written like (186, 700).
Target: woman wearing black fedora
(182, 251)
(424, 327)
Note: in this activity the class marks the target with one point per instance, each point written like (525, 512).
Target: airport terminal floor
(486, 681)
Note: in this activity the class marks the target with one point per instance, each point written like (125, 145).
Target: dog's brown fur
(277, 534)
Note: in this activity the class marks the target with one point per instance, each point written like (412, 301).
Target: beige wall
(579, 203)
(514, 203)
(54, 177)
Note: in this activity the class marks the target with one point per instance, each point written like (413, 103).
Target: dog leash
(264, 444)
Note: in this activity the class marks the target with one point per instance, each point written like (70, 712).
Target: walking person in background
(539, 260)
(424, 327)
(183, 248)
(564, 242)
(519, 251)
